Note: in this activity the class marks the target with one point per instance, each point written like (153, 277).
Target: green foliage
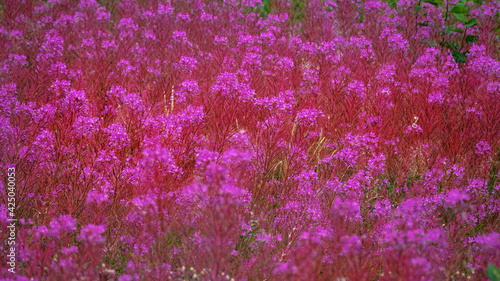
(457, 14)
(265, 8)
(297, 6)
(460, 13)
(493, 272)
(460, 17)
(435, 2)
(470, 23)
(460, 8)
(459, 56)
(425, 23)
(2, 11)
(471, 38)
(450, 29)
(392, 3)
(298, 10)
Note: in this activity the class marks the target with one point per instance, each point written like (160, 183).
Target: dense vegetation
(249, 140)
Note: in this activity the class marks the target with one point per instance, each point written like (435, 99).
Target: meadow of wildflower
(250, 140)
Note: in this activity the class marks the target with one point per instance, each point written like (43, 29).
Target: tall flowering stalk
(250, 140)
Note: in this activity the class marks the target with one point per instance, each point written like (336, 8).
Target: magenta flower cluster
(242, 140)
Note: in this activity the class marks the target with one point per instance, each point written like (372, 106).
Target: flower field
(250, 140)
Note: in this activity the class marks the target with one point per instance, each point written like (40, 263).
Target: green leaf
(454, 29)
(470, 23)
(418, 9)
(493, 273)
(459, 57)
(452, 46)
(460, 9)
(471, 38)
(264, 9)
(433, 2)
(460, 17)
(425, 23)
(430, 43)
(392, 3)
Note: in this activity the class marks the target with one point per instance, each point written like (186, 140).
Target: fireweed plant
(240, 140)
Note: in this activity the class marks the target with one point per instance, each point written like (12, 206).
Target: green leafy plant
(493, 272)
(264, 9)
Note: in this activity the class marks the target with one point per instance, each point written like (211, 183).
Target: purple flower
(349, 209)
(207, 17)
(205, 156)
(308, 117)
(161, 157)
(357, 88)
(251, 61)
(246, 40)
(92, 234)
(436, 97)
(145, 203)
(127, 28)
(182, 17)
(44, 141)
(235, 156)
(186, 64)
(421, 264)
(51, 48)
(282, 63)
(180, 37)
(485, 66)
(117, 136)
(350, 244)
(69, 250)
(267, 38)
(310, 80)
(227, 84)
(395, 40)
(382, 207)
(166, 9)
(62, 224)
(493, 88)
(348, 155)
(309, 49)
(455, 196)
(102, 15)
(14, 61)
(109, 45)
(76, 100)
(425, 66)
(437, 235)
(375, 5)
(377, 164)
(482, 148)
(284, 268)
(363, 45)
(125, 67)
(88, 5)
(97, 196)
(232, 190)
(477, 186)
(187, 89)
(414, 128)
(490, 241)
(86, 126)
(220, 40)
(386, 73)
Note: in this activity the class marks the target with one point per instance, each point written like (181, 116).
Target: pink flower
(92, 234)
